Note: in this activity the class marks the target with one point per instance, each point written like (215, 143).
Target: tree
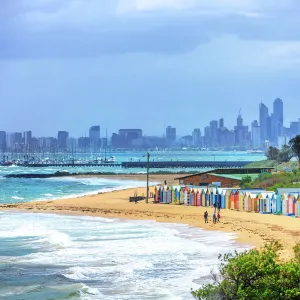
(253, 275)
(285, 154)
(246, 181)
(295, 146)
(272, 153)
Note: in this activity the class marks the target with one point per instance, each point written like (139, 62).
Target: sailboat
(110, 160)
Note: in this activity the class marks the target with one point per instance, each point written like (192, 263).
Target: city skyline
(67, 64)
(267, 130)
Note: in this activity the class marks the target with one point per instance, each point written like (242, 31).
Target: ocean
(44, 256)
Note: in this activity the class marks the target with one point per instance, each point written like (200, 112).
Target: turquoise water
(23, 190)
(66, 257)
(15, 190)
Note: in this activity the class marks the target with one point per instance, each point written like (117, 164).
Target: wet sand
(250, 228)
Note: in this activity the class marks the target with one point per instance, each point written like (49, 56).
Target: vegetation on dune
(271, 182)
(288, 175)
(254, 275)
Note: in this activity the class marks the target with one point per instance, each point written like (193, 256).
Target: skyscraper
(94, 134)
(196, 137)
(170, 135)
(263, 121)
(2, 141)
(62, 137)
(221, 123)
(277, 120)
(256, 142)
(241, 132)
(213, 127)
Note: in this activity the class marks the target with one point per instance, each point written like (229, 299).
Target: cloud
(53, 28)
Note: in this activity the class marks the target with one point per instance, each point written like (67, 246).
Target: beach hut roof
(288, 191)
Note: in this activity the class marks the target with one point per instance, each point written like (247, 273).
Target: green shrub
(254, 275)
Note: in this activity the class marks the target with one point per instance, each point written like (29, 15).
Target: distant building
(94, 135)
(294, 127)
(72, 144)
(16, 141)
(51, 144)
(277, 119)
(221, 123)
(83, 144)
(213, 133)
(27, 136)
(170, 136)
(196, 137)
(2, 141)
(206, 137)
(127, 138)
(263, 121)
(186, 141)
(62, 137)
(256, 141)
(241, 133)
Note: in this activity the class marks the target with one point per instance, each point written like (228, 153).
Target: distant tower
(263, 122)
(221, 123)
(277, 120)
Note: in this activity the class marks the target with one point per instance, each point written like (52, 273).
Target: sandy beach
(250, 228)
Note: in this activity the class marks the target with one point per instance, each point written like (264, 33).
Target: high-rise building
(206, 137)
(2, 141)
(213, 134)
(84, 144)
(221, 123)
(62, 137)
(294, 129)
(241, 132)
(196, 137)
(277, 120)
(94, 134)
(263, 122)
(256, 141)
(170, 135)
(27, 140)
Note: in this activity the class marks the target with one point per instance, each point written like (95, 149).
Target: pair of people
(216, 217)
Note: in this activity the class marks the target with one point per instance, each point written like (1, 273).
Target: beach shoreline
(251, 229)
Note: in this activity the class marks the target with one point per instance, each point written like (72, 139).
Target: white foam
(17, 198)
(121, 259)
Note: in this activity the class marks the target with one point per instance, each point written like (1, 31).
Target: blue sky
(67, 65)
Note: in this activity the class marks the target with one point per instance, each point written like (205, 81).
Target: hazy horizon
(68, 65)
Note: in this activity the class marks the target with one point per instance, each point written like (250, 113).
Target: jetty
(42, 165)
(144, 164)
(186, 164)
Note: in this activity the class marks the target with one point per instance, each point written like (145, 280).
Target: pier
(38, 165)
(152, 164)
(187, 164)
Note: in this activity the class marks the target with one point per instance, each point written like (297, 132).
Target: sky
(68, 65)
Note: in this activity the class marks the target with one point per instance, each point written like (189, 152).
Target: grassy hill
(285, 175)
(287, 166)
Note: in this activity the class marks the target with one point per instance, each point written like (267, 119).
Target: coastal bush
(254, 274)
(295, 146)
(278, 180)
(246, 181)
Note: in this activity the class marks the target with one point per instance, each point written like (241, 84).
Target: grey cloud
(179, 32)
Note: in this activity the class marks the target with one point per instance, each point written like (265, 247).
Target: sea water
(44, 256)
(14, 190)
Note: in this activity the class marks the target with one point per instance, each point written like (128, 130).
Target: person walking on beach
(218, 217)
(214, 218)
(206, 217)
